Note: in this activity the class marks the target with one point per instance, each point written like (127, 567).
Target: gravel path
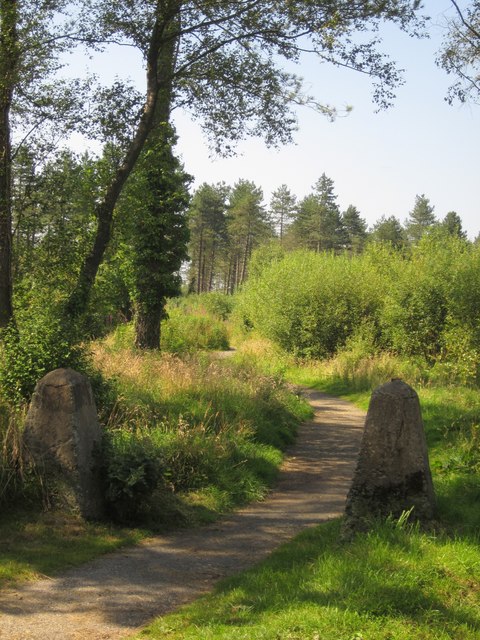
(113, 596)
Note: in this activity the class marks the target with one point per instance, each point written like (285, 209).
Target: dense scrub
(421, 303)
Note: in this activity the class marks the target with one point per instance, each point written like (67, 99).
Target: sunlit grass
(395, 583)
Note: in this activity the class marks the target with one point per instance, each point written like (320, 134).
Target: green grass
(392, 584)
(396, 582)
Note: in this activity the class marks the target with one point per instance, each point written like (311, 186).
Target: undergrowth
(191, 437)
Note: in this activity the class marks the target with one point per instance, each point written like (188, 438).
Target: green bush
(133, 468)
(310, 303)
(36, 345)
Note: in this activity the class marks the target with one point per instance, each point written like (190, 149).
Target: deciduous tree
(460, 54)
(226, 69)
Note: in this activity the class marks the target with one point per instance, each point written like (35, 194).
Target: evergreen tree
(390, 231)
(282, 209)
(248, 225)
(355, 229)
(318, 224)
(452, 223)
(420, 219)
(208, 235)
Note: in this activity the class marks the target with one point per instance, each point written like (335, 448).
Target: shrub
(36, 345)
(310, 303)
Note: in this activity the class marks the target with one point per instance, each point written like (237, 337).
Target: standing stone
(393, 473)
(62, 435)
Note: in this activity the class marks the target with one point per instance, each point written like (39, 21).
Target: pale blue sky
(378, 161)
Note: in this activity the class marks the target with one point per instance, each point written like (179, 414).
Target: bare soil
(115, 595)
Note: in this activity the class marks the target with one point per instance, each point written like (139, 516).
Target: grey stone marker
(393, 474)
(62, 435)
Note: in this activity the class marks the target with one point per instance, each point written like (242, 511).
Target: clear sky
(379, 162)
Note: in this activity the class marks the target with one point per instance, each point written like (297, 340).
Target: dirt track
(113, 596)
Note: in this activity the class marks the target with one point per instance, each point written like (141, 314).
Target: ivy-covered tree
(420, 219)
(208, 235)
(159, 234)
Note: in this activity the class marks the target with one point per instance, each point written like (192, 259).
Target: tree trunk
(8, 63)
(149, 312)
(212, 266)
(159, 44)
(147, 327)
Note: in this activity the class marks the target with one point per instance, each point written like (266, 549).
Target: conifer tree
(282, 209)
(420, 219)
(248, 225)
(390, 231)
(318, 224)
(208, 235)
(355, 229)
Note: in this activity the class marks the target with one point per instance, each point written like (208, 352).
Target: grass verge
(34, 544)
(188, 439)
(394, 583)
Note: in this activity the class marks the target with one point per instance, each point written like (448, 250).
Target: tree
(452, 223)
(389, 230)
(318, 224)
(34, 102)
(9, 59)
(282, 209)
(208, 235)
(223, 61)
(460, 53)
(420, 219)
(159, 235)
(247, 226)
(355, 229)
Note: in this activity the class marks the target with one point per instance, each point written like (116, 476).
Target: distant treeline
(228, 223)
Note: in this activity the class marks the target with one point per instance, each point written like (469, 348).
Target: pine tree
(318, 224)
(355, 229)
(208, 235)
(282, 209)
(452, 223)
(248, 225)
(390, 231)
(420, 219)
